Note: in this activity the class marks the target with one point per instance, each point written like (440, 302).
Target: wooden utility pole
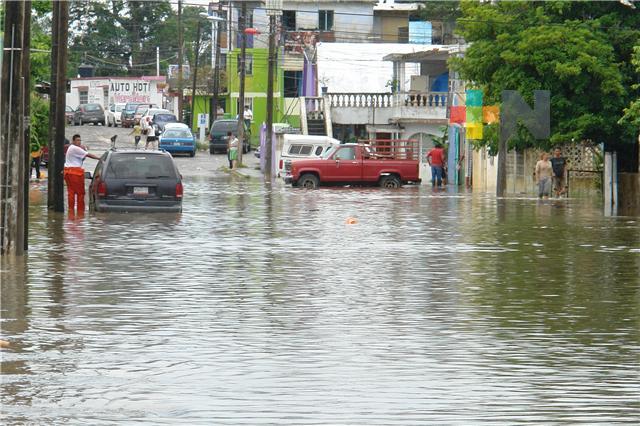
(271, 71)
(195, 76)
(242, 26)
(51, 180)
(58, 101)
(11, 116)
(24, 171)
(216, 70)
(180, 43)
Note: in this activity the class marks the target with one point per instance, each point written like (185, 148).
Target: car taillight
(280, 164)
(179, 190)
(102, 189)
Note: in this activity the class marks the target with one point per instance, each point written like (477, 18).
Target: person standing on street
(435, 158)
(248, 118)
(137, 133)
(543, 173)
(36, 157)
(74, 173)
(559, 165)
(232, 149)
(151, 136)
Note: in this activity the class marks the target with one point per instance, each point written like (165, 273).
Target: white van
(303, 146)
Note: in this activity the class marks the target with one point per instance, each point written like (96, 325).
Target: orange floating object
(4, 344)
(352, 221)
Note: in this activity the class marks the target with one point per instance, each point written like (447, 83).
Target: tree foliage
(579, 51)
(120, 37)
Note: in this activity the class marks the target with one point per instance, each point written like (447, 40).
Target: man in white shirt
(74, 173)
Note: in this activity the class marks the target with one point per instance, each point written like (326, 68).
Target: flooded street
(261, 305)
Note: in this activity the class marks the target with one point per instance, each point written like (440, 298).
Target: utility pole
(51, 180)
(58, 100)
(216, 70)
(180, 43)
(273, 10)
(501, 181)
(195, 76)
(11, 113)
(24, 172)
(242, 26)
(157, 61)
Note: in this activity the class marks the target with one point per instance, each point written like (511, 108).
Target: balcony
(385, 108)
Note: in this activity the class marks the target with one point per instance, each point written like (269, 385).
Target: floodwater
(258, 306)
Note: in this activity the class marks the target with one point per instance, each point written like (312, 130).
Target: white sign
(123, 91)
(203, 120)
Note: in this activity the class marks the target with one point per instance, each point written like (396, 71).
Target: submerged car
(178, 140)
(136, 181)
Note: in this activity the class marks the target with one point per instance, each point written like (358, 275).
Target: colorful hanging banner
(457, 114)
(474, 130)
(491, 114)
(474, 98)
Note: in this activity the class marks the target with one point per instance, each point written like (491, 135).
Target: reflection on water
(262, 306)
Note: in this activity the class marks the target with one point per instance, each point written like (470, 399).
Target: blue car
(178, 140)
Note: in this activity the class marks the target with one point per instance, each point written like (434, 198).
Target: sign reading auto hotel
(123, 91)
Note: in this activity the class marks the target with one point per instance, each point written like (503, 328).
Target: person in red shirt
(435, 158)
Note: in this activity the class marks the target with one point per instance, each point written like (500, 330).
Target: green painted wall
(256, 88)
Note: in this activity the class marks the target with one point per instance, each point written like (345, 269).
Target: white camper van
(303, 146)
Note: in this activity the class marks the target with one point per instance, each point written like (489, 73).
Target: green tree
(567, 48)
(632, 113)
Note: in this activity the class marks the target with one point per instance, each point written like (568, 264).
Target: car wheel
(80, 121)
(192, 154)
(108, 123)
(391, 181)
(308, 181)
(212, 150)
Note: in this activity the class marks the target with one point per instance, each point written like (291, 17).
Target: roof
(176, 126)
(436, 53)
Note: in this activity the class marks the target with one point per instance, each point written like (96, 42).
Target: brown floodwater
(265, 306)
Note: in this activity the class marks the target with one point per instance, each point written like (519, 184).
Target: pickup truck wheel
(308, 181)
(390, 181)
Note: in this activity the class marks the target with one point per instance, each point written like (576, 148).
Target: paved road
(97, 138)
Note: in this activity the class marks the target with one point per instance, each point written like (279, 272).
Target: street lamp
(214, 19)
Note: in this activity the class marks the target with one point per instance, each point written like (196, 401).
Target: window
(325, 20)
(348, 153)
(84, 96)
(289, 20)
(318, 151)
(248, 64)
(292, 84)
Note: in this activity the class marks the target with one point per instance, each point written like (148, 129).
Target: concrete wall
(118, 90)
(359, 115)
(359, 68)
(352, 20)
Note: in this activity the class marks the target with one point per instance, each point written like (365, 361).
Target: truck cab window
(347, 153)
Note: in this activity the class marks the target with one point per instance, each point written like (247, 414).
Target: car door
(347, 167)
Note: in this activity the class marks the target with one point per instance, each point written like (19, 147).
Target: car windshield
(140, 166)
(141, 109)
(131, 107)
(92, 107)
(224, 126)
(68, 109)
(177, 133)
(119, 108)
(164, 117)
(330, 150)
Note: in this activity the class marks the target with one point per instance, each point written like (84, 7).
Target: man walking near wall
(559, 165)
(435, 158)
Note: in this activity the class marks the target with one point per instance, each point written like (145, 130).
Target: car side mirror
(87, 175)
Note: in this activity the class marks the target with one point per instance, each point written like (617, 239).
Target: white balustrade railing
(387, 100)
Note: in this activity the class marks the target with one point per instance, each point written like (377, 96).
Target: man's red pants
(74, 177)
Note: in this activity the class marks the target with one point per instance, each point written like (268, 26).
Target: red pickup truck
(386, 165)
